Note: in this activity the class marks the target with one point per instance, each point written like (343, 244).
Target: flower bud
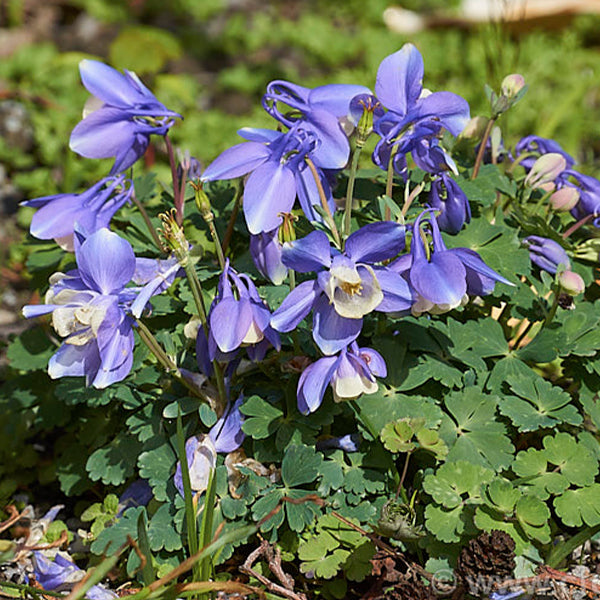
(545, 170)
(571, 283)
(474, 128)
(202, 203)
(447, 197)
(512, 85)
(564, 199)
(546, 253)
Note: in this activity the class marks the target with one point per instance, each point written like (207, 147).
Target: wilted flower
(453, 204)
(90, 210)
(124, 116)
(348, 286)
(62, 574)
(546, 253)
(225, 436)
(350, 374)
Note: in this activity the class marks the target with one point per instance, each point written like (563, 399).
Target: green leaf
(157, 465)
(112, 538)
(453, 480)
(115, 463)
(31, 350)
(446, 524)
(262, 418)
(571, 458)
(533, 516)
(162, 531)
(473, 434)
(397, 436)
(576, 507)
(300, 466)
(501, 495)
(540, 405)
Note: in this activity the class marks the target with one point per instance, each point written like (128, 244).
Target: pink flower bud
(512, 85)
(565, 199)
(571, 283)
(545, 170)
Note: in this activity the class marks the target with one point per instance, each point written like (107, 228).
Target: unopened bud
(565, 199)
(512, 85)
(474, 129)
(203, 203)
(545, 170)
(571, 283)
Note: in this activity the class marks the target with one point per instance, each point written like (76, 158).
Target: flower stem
(234, 213)
(350, 190)
(210, 221)
(156, 349)
(576, 226)
(552, 310)
(329, 216)
(177, 198)
(148, 222)
(413, 194)
(390, 181)
(481, 151)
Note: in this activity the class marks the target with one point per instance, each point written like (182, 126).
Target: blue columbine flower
(351, 373)
(225, 436)
(237, 317)
(442, 278)
(546, 253)
(90, 308)
(348, 286)
(447, 197)
(126, 115)
(589, 194)
(137, 493)
(413, 113)
(266, 251)
(90, 210)
(278, 171)
(62, 574)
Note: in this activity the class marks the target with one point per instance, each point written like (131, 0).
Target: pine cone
(409, 589)
(488, 558)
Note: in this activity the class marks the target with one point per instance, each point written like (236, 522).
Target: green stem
(350, 190)
(234, 213)
(156, 349)
(562, 550)
(553, 309)
(389, 184)
(177, 200)
(148, 222)
(292, 282)
(210, 221)
(414, 193)
(324, 204)
(196, 289)
(481, 151)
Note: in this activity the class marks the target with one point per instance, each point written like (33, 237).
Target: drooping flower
(265, 249)
(453, 204)
(348, 443)
(62, 574)
(90, 308)
(351, 373)
(278, 172)
(138, 493)
(546, 253)
(237, 317)
(442, 278)
(413, 112)
(588, 188)
(348, 286)
(91, 210)
(124, 116)
(225, 436)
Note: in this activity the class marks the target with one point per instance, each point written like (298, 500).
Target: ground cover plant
(355, 355)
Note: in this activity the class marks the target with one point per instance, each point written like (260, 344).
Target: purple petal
(75, 361)
(449, 109)
(400, 79)
(108, 84)
(472, 260)
(254, 134)
(308, 193)
(237, 161)
(313, 382)
(442, 280)
(333, 149)
(331, 332)
(376, 242)
(37, 310)
(270, 190)
(116, 352)
(374, 361)
(230, 320)
(227, 432)
(310, 253)
(266, 249)
(335, 98)
(295, 307)
(106, 262)
(397, 295)
(103, 133)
